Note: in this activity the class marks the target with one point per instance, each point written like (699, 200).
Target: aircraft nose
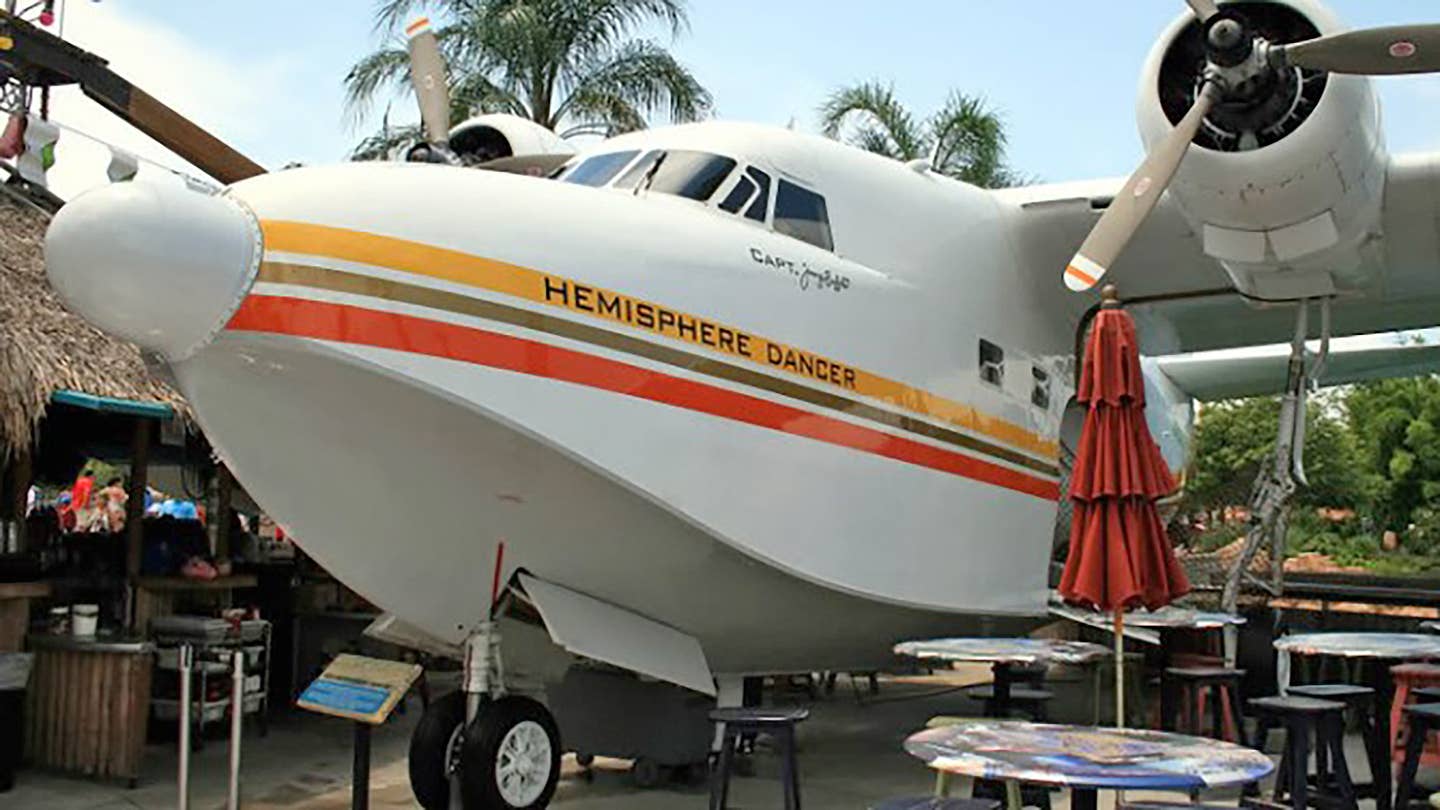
(161, 266)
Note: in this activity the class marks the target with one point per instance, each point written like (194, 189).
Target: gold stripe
(430, 298)
(531, 285)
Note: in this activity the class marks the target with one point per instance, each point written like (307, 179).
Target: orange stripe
(416, 25)
(1080, 274)
(389, 330)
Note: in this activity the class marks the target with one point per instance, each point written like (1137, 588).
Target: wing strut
(1279, 480)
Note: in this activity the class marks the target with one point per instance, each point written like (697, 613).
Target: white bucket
(84, 619)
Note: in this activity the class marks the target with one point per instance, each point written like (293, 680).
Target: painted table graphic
(1382, 650)
(1004, 654)
(1085, 758)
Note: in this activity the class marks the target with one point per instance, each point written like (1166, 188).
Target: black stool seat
(1297, 705)
(936, 803)
(778, 722)
(1343, 692)
(1204, 674)
(1426, 694)
(1018, 694)
(1172, 806)
(1424, 719)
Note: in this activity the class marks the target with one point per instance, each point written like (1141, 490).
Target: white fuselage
(647, 400)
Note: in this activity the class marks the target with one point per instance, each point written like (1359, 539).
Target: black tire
(428, 743)
(482, 748)
(646, 773)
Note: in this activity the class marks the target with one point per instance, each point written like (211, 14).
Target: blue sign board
(345, 697)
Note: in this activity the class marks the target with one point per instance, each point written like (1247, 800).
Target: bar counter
(88, 704)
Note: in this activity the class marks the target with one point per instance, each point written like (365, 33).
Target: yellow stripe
(532, 285)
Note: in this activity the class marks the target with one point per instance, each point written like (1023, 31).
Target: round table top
(1004, 650)
(1166, 618)
(1390, 646)
(1086, 757)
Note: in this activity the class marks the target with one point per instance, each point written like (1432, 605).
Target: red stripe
(389, 330)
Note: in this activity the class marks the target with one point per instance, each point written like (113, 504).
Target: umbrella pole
(1119, 668)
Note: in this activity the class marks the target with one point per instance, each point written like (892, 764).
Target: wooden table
(155, 596)
(15, 611)
(88, 705)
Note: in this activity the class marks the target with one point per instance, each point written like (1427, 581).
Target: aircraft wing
(1228, 375)
(1192, 293)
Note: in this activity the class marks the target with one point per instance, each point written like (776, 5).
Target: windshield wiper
(644, 184)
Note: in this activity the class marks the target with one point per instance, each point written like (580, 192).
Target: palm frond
(387, 143)
(475, 94)
(969, 141)
(879, 116)
(639, 76)
(387, 69)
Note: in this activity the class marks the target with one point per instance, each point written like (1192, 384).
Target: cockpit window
(694, 175)
(801, 213)
(761, 206)
(738, 196)
(599, 170)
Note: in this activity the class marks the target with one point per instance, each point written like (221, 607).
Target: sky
(267, 75)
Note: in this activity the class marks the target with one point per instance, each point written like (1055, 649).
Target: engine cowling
(500, 135)
(1285, 181)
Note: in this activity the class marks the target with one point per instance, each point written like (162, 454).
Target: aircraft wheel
(646, 773)
(511, 757)
(434, 746)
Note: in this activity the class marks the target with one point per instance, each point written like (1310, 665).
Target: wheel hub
(522, 768)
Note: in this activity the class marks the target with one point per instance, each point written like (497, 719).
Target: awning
(126, 407)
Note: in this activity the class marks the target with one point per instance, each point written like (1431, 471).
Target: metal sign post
(364, 690)
(237, 716)
(187, 660)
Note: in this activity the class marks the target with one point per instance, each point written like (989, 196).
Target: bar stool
(1409, 678)
(1192, 685)
(779, 723)
(1421, 719)
(1302, 716)
(1025, 699)
(1361, 701)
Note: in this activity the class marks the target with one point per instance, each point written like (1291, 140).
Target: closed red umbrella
(1120, 557)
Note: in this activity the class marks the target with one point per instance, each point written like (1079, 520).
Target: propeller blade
(427, 72)
(1204, 9)
(1389, 51)
(1137, 198)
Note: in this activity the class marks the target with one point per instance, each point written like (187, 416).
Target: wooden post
(224, 492)
(21, 474)
(135, 504)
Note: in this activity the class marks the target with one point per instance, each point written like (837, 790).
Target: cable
(190, 179)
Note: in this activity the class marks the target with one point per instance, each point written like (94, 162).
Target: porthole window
(992, 364)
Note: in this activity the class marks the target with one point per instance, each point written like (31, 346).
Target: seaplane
(619, 427)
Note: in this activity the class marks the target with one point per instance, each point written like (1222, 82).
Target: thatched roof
(44, 348)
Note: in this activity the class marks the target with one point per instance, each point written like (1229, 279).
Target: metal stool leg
(792, 767)
(1414, 747)
(1335, 736)
(1299, 762)
(720, 783)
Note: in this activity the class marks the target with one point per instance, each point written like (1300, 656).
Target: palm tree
(964, 139)
(573, 66)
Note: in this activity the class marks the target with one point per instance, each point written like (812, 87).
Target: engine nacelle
(500, 135)
(1285, 186)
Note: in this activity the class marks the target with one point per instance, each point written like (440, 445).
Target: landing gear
(1278, 480)
(489, 750)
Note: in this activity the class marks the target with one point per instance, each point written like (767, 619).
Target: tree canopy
(573, 66)
(964, 139)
